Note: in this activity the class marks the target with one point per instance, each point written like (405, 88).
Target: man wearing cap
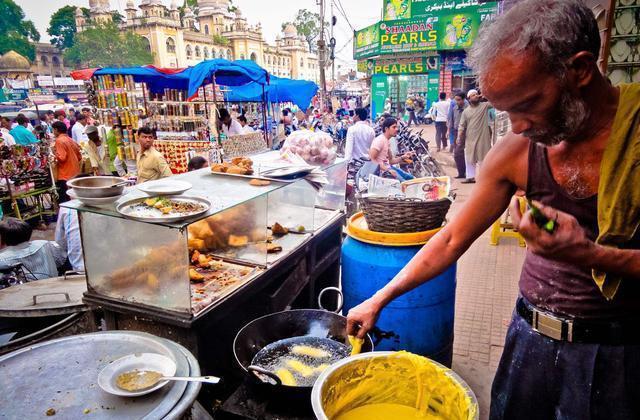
(475, 134)
(99, 167)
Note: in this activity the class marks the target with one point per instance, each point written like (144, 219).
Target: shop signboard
(445, 29)
(12, 95)
(408, 65)
(379, 93)
(363, 66)
(367, 42)
(407, 9)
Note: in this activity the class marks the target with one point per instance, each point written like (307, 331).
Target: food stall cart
(142, 274)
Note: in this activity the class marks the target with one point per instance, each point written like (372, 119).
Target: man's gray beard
(572, 115)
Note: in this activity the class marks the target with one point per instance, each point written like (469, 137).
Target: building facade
(216, 31)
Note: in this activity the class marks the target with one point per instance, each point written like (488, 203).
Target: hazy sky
(271, 13)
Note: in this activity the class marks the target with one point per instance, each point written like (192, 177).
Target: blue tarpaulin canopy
(227, 73)
(279, 90)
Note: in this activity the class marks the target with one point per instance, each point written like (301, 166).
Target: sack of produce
(316, 148)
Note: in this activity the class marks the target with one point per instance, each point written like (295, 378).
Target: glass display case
(184, 267)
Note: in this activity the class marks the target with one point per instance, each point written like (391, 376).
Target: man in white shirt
(39, 259)
(5, 127)
(228, 125)
(440, 115)
(78, 130)
(246, 128)
(359, 137)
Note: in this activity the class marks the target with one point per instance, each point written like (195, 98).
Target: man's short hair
(60, 127)
(21, 119)
(14, 231)
(145, 130)
(81, 117)
(49, 112)
(60, 112)
(242, 118)
(5, 119)
(224, 114)
(443, 96)
(461, 95)
(196, 162)
(388, 122)
(362, 114)
(86, 109)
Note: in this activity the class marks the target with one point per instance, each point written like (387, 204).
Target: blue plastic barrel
(420, 321)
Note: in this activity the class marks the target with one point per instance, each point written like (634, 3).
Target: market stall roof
(227, 73)
(279, 90)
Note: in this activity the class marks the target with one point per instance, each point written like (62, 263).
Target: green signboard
(446, 29)
(407, 9)
(367, 41)
(408, 65)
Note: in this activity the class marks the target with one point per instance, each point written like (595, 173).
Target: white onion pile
(316, 148)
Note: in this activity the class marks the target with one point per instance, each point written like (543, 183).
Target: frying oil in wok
(299, 361)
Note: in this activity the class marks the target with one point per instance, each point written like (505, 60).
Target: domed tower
(130, 10)
(14, 66)
(100, 11)
(189, 19)
(81, 21)
(174, 13)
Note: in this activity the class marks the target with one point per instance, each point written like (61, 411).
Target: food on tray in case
(237, 166)
(238, 241)
(216, 278)
(269, 247)
(161, 207)
(259, 182)
(279, 230)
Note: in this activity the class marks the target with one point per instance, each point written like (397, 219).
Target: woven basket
(394, 215)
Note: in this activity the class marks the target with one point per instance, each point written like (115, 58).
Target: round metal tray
(126, 209)
(62, 375)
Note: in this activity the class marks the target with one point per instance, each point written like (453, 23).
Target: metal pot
(97, 186)
(344, 369)
(287, 324)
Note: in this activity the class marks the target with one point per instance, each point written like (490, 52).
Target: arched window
(44, 60)
(241, 56)
(56, 61)
(206, 29)
(171, 46)
(301, 62)
(253, 57)
(206, 53)
(268, 59)
(147, 43)
(279, 61)
(189, 51)
(229, 55)
(221, 54)
(197, 51)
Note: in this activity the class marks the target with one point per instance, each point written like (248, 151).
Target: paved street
(487, 289)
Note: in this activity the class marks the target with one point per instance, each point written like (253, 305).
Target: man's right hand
(362, 318)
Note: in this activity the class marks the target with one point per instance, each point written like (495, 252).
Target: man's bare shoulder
(508, 159)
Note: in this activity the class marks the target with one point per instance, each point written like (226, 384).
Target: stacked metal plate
(60, 376)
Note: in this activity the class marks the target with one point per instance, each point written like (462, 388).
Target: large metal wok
(272, 328)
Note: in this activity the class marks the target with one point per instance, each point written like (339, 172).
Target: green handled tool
(544, 223)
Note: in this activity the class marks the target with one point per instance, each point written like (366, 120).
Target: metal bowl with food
(286, 351)
(98, 186)
(392, 385)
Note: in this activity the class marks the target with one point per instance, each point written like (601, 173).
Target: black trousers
(62, 191)
(441, 135)
(458, 156)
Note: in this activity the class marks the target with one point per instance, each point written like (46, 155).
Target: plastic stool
(503, 228)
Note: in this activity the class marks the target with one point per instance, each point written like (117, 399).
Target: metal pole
(333, 62)
(215, 105)
(322, 57)
(264, 116)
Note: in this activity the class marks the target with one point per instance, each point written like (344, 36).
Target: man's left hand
(569, 243)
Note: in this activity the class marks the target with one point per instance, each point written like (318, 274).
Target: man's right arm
(488, 200)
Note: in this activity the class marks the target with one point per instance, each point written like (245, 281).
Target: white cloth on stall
(68, 237)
